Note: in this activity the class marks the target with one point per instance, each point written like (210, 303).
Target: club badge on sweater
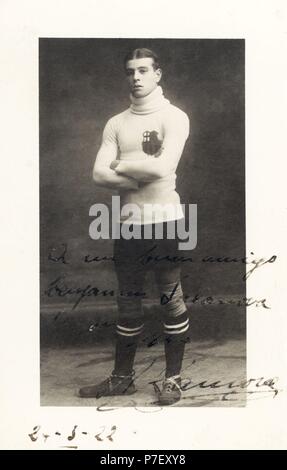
(151, 144)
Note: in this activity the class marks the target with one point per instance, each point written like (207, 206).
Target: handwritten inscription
(233, 387)
(104, 433)
(59, 288)
(151, 257)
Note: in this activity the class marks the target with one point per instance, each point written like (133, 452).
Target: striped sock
(175, 330)
(128, 333)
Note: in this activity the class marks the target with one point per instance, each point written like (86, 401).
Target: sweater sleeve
(176, 131)
(109, 147)
(102, 173)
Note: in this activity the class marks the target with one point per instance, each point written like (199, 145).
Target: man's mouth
(136, 87)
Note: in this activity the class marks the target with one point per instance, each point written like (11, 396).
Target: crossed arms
(103, 175)
(127, 174)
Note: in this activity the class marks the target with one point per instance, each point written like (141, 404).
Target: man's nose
(136, 75)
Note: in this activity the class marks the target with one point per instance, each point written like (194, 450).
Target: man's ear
(159, 74)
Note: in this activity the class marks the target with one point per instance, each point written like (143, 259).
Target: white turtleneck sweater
(148, 139)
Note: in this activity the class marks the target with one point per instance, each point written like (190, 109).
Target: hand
(114, 164)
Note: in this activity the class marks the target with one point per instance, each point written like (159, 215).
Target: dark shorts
(136, 258)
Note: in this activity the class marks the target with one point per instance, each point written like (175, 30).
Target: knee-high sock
(175, 330)
(127, 337)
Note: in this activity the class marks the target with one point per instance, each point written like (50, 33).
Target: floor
(213, 374)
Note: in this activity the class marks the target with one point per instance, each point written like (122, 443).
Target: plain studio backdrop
(82, 84)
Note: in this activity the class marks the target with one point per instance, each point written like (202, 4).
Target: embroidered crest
(151, 144)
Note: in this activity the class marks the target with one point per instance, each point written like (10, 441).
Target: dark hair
(141, 53)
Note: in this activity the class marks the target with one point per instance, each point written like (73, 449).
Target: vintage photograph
(143, 261)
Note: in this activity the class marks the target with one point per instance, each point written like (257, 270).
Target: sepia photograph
(142, 210)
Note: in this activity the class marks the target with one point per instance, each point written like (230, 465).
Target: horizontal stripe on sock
(176, 332)
(129, 330)
(174, 327)
(129, 334)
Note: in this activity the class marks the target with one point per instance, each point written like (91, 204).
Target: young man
(140, 151)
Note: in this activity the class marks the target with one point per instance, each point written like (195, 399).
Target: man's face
(142, 77)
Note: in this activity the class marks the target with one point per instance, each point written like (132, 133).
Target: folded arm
(153, 168)
(103, 175)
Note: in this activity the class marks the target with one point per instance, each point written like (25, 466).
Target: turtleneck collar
(150, 103)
